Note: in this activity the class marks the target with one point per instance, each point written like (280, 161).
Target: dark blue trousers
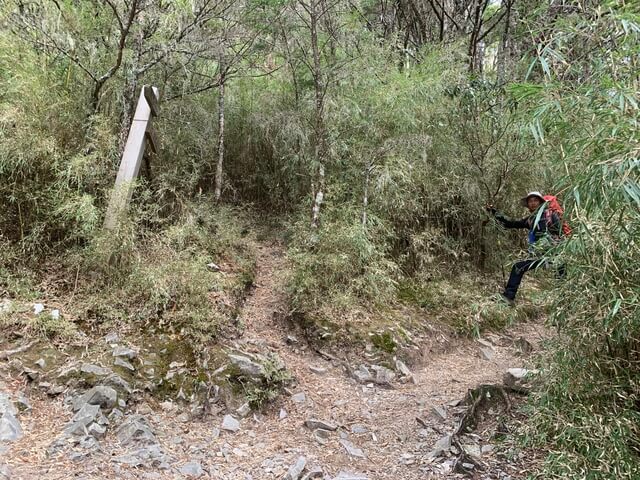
(519, 269)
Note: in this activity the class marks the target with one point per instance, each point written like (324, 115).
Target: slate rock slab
(350, 476)
(351, 449)
(6, 405)
(192, 470)
(296, 469)
(125, 352)
(150, 456)
(95, 370)
(314, 424)
(135, 430)
(230, 424)
(10, 428)
(119, 362)
(101, 395)
(247, 366)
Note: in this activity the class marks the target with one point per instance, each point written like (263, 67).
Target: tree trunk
(218, 179)
(365, 192)
(319, 133)
(504, 51)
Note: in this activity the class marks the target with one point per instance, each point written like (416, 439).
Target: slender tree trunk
(320, 141)
(504, 53)
(365, 192)
(218, 179)
(474, 40)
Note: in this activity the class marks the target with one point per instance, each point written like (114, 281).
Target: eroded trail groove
(381, 432)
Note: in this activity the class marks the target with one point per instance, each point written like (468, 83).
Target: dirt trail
(379, 423)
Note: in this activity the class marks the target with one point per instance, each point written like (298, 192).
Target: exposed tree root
(478, 400)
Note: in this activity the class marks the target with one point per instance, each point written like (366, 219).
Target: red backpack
(554, 206)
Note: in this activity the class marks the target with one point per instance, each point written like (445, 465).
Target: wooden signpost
(140, 134)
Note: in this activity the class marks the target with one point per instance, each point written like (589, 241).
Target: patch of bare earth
(378, 425)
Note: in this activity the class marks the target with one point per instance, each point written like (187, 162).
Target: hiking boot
(502, 298)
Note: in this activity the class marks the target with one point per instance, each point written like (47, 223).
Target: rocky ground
(337, 419)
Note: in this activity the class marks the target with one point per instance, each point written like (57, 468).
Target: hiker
(545, 229)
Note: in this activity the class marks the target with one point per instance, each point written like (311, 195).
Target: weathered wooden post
(139, 133)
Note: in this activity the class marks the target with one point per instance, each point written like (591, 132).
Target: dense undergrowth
(132, 282)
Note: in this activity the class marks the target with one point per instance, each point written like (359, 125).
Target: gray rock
(151, 456)
(230, 424)
(80, 422)
(192, 469)
(518, 373)
(40, 363)
(487, 353)
(94, 370)
(6, 306)
(384, 376)
(283, 414)
(321, 436)
(6, 405)
(314, 424)
(79, 456)
(5, 472)
(247, 366)
(315, 472)
(441, 446)
(38, 308)
(317, 370)
(116, 415)
(101, 395)
(10, 429)
(359, 429)
(89, 443)
(116, 381)
(291, 340)
(55, 390)
(444, 443)
(352, 449)
(296, 469)
(97, 431)
(403, 369)
(119, 362)
(135, 429)
(111, 337)
(299, 397)
(124, 352)
(439, 413)
(362, 374)
(243, 410)
(350, 476)
(213, 267)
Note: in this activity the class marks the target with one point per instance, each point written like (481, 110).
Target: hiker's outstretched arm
(507, 222)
